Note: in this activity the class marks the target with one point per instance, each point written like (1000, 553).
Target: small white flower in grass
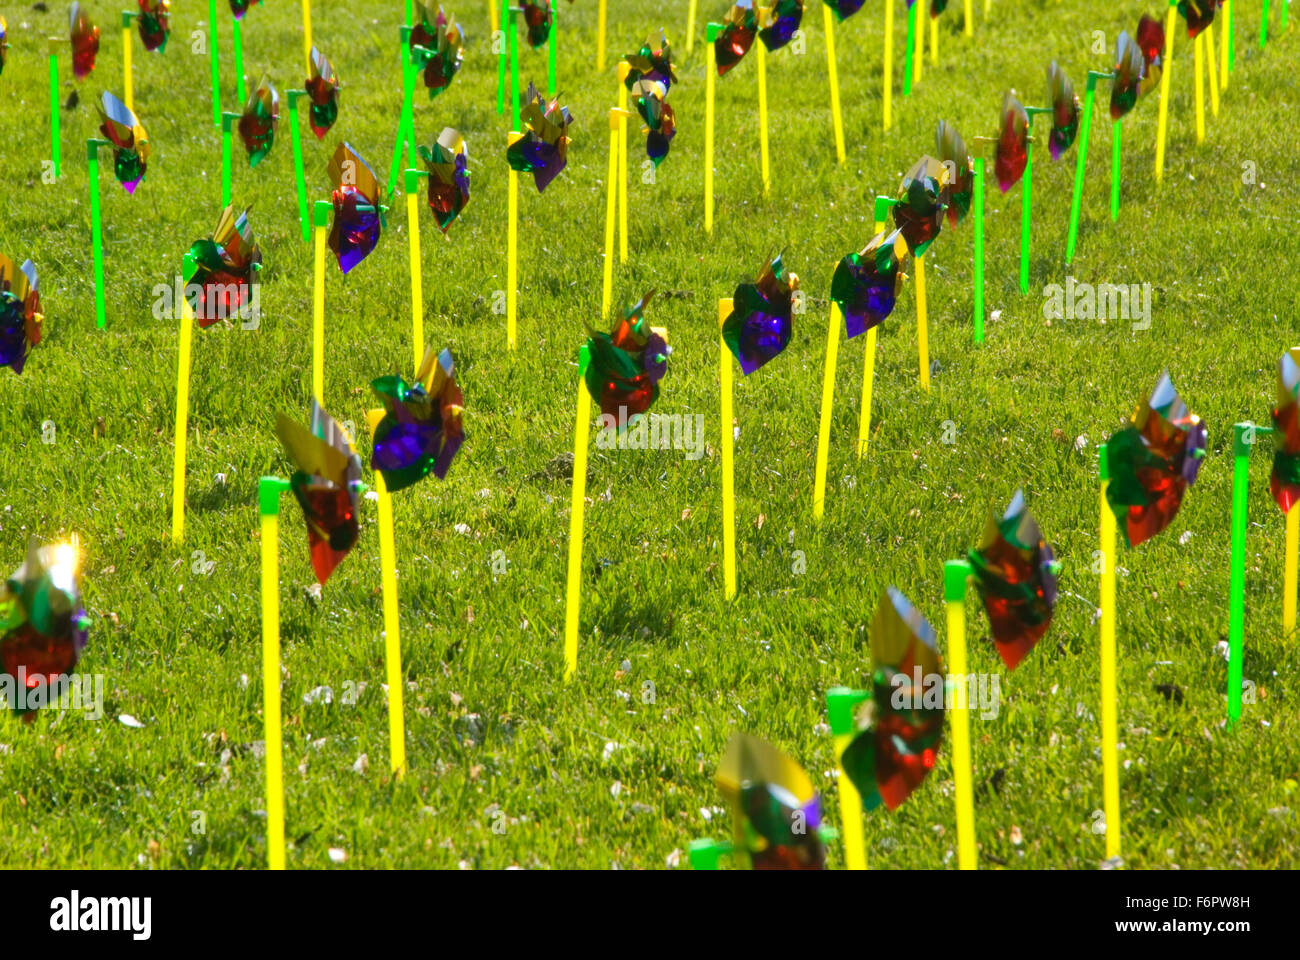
(338, 854)
(1186, 536)
(372, 496)
(821, 729)
(362, 764)
(313, 592)
(706, 813)
(1081, 442)
(995, 316)
(485, 492)
(615, 789)
(462, 529)
(127, 720)
(610, 747)
(673, 859)
(243, 681)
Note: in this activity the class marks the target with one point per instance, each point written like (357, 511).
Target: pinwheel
(776, 813)
(3, 45)
(955, 158)
(154, 23)
(651, 64)
(736, 36)
(84, 37)
(922, 198)
(225, 270)
(130, 142)
(240, 7)
(626, 365)
(1284, 482)
(537, 17)
(1065, 111)
(543, 149)
(42, 624)
(258, 122)
(1198, 14)
(323, 89)
(421, 429)
(1152, 462)
(759, 325)
(894, 746)
(448, 176)
(865, 285)
(444, 48)
(660, 121)
(1015, 574)
(1130, 71)
(20, 313)
(358, 218)
(783, 19)
(843, 9)
(1011, 153)
(326, 482)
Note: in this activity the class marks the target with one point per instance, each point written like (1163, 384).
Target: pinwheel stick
(828, 400)
(1198, 65)
(96, 234)
(392, 639)
(934, 40)
(1211, 74)
(909, 53)
(300, 178)
(237, 32)
(512, 246)
(690, 25)
(320, 221)
(501, 58)
(622, 98)
(706, 852)
(1082, 162)
(268, 499)
(128, 94)
(611, 205)
(711, 31)
(577, 502)
(227, 118)
(602, 17)
(1281, 20)
(977, 234)
(513, 37)
(214, 59)
(762, 115)
(728, 477)
(956, 573)
(1263, 25)
(550, 52)
(918, 43)
(182, 403)
(1109, 687)
(55, 42)
(412, 180)
(968, 21)
(406, 122)
(887, 86)
(1026, 198)
(833, 75)
(1116, 162)
(1162, 123)
(841, 702)
(306, 30)
(1225, 43)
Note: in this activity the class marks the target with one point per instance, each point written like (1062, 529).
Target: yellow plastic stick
(577, 504)
(127, 88)
(855, 856)
(690, 25)
(512, 247)
(868, 378)
(887, 91)
(728, 479)
(611, 201)
(762, 113)
(934, 40)
(1162, 124)
(392, 637)
(601, 17)
(922, 326)
(1210, 68)
(988, 4)
(828, 399)
(306, 33)
(318, 316)
(622, 102)
(918, 43)
(968, 26)
(833, 73)
(955, 574)
(1223, 46)
(1198, 65)
(182, 417)
(1109, 689)
(710, 72)
(413, 249)
(1289, 579)
(271, 691)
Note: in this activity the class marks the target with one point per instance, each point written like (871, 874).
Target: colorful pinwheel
(154, 24)
(537, 17)
(736, 37)
(544, 147)
(240, 7)
(1285, 480)
(759, 325)
(1015, 573)
(448, 176)
(4, 27)
(84, 37)
(130, 142)
(624, 367)
(358, 217)
(20, 313)
(776, 812)
(441, 36)
(1130, 69)
(937, 7)
(660, 121)
(1198, 14)
(844, 8)
(922, 198)
(1065, 111)
(1152, 462)
(1012, 150)
(899, 729)
(955, 158)
(42, 621)
(326, 481)
(257, 125)
(650, 64)
(323, 89)
(226, 267)
(866, 284)
(1150, 38)
(783, 19)
(421, 429)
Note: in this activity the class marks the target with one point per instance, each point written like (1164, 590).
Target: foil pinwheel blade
(154, 23)
(326, 482)
(130, 142)
(900, 727)
(240, 7)
(1015, 574)
(4, 28)
(866, 284)
(537, 20)
(421, 430)
(922, 199)
(624, 367)
(441, 38)
(358, 219)
(1284, 482)
(651, 64)
(759, 325)
(783, 19)
(1065, 111)
(658, 117)
(1012, 151)
(736, 36)
(1198, 14)
(445, 163)
(323, 90)
(1152, 463)
(42, 623)
(20, 313)
(1130, 67)
(844, 8)
(225, 270)
(776, 812)
(955, 159)
(542, 149)
(84, 37)
(258, 122)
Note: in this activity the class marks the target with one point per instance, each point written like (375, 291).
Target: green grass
(490, 725)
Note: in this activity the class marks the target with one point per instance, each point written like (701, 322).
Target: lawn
(509, 765)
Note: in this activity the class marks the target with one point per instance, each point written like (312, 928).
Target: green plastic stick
(1082, 163)
(96, 239)
(550, 54)
(1263, 26)
(1232, 38)
(54, 110)
(408, 95)
(1026, 198)
(1281, 19)
(907, 57)
(409, 13)
(704, 853)
(214, 55)
(226, 119)
(1114, 170)
(501, 59)
(517, 124)
(977, 207)
(882, 208)
(1243, 438)
(239, 62)
(295, 138)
